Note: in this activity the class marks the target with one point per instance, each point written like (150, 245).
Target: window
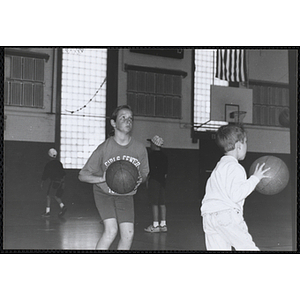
(269, 100)
(24, 78)
(204, 77)
(83, 104)
(154, 92)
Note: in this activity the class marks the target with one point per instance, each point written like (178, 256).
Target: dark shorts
(56, 188)
(120, 208)
(157, 192)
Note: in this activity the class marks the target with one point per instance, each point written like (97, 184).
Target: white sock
(61, 205)
(155, 223)
(47, 210)
(163, 223)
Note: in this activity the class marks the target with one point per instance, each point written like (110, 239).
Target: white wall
(29, 127)
(268, 139)
(268, 65)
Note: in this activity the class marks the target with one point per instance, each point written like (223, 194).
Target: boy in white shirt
(226, 190)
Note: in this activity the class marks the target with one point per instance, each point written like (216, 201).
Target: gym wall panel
(23, 168)
(268, 65)
(29, 127)
(268, 139)
(25, 161)
(185, 183)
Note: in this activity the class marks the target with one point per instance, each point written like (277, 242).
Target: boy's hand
(260, 172)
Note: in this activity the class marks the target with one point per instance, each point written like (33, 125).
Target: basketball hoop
(238, 116)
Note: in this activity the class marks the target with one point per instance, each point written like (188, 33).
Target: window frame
(154, 92)
(25, 76)
(267, 105)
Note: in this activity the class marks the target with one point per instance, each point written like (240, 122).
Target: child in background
(226, 190)
(156, 183)
(55, 172)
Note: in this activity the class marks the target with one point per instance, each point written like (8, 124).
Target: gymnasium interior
(62, 98)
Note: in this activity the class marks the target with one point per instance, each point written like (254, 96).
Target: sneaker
(163, 228)
(46, 215)
(152, 229)
(62, 211)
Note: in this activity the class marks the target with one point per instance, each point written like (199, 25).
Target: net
(238, 116)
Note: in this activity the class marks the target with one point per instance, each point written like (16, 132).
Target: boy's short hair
(116, 111)
(229, 135)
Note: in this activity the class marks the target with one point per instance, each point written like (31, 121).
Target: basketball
(122, 176)
(284, 117)
(279, 175)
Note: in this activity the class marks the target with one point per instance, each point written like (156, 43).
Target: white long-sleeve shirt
(227, 187)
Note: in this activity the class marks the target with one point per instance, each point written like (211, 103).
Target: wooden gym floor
(269, 219)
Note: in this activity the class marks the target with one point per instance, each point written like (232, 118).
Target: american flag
(231, 65)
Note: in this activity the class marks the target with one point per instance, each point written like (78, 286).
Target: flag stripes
(231, 65)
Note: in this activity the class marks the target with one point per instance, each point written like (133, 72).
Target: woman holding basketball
(116, 210)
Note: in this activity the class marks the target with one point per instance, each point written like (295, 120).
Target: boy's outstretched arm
(240, 189)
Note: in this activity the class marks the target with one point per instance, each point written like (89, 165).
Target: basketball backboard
(225, 100)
